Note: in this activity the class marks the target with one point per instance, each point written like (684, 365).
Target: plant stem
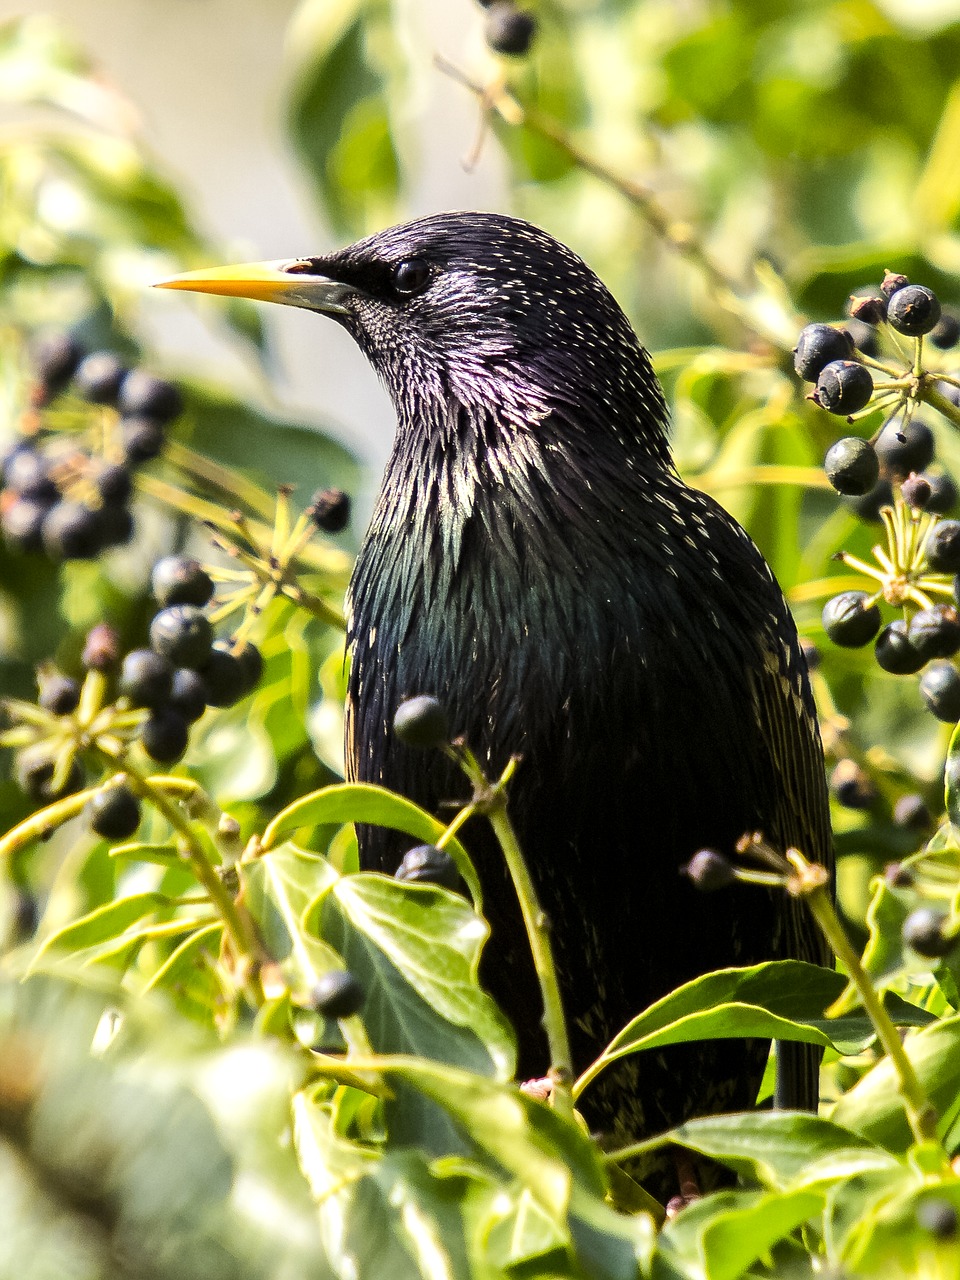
(492, 801)
(921, 1115)
(237, 924)
(937, 400)
(676, 233)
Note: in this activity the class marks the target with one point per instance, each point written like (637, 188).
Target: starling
(535, 562)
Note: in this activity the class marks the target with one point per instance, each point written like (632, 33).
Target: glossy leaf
(780, 1149)
(104, 923)
(416, 951)
(719, 1237)
(784, 1000)
(365, 802)
(874, 1107)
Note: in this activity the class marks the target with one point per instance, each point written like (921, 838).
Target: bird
(536, 563)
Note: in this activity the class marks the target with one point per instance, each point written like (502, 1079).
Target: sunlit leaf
(104, 923)
(874, 1107)
(780, 1149)
(365, 802)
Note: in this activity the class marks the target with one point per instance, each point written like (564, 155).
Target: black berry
(22, 523)
(251, 664)
(940, 689)
(851, 786)
(426, 864)
(905, 447)
(843, 387)
(115, 524)
(55, 357)
(114, 812)
(943, 493)
(34, 770)
(114, 482)
(337, 994)
(943, 547)
(164, 735)
(181, 580)
(923, 930)
(330, 510)
(710, 870)
(182, 634)
(894, 652)
(59, 694)
(935, 632)
(913, 310)
(146, 678)
(421, 722)
(852, 466)
(189, 694)
(849, 620)
(224, 675)
(508, 29)
(98, 377)
(817, 346)
(946, 332)
(869, 505)
(916, 491)
(912, 813)
(144, 396)
(71, 531)
(27, 474)
(142, 438)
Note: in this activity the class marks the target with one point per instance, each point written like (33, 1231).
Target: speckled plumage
(536, 563)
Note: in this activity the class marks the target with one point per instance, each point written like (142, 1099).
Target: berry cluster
(64, 490)
(887, 478)
(508, 29)
(185, 669)
(152, 695)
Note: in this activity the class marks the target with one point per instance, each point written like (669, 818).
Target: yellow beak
(290, 282)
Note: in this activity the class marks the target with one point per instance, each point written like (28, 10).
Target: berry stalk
(491, 800)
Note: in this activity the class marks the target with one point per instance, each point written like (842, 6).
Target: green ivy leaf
(365, 802)
(416, 950)
(546, 1153)
(719, 1237)
(874, 1108)
(780, 1149)
(102, 924)
(383, 1214)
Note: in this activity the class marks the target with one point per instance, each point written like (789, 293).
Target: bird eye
(410, 276)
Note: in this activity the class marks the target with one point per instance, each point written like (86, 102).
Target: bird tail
(798, 1076)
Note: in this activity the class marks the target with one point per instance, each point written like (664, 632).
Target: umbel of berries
(68, 496)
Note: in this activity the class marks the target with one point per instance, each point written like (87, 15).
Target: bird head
(478, 308)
